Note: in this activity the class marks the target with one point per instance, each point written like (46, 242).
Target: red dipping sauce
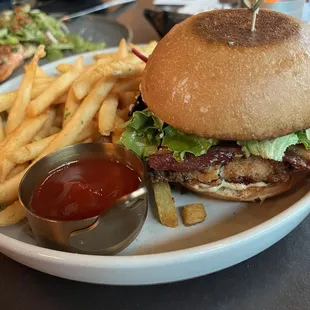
(82, 189)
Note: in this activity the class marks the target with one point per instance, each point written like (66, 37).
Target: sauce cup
(105, 234)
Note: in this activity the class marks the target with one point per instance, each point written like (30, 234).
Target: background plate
(94, 28)
(232, 232)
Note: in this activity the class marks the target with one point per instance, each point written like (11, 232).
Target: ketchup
(82, 189)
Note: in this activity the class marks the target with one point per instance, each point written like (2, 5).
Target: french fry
(116, 68)
(17, 170)
(117, 132)
(119, 69)
(21, 136)
(149, 48)
(6, 166)
(5, 140)
(2, 135)
(46, 128)
(18, 112)
(71, 106)
(79, 85)
(63, 68)
(127, 85)
(37, 89)
(82, 117)
(193, 214)
(122, 52)
(30, 151)
(110, 56)
(165, 205)
(55, 90)
(12, 214)
(40, 73)
(44, 80)
(107, 115)
(7, 100)
(89, 132)
(9, 188)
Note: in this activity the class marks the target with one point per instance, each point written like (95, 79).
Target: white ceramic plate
(231, 233)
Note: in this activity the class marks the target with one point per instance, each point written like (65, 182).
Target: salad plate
(29, 28)
(231, 233)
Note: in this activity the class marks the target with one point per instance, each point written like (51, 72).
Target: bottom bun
(248, 192)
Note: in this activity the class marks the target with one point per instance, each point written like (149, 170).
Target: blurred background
(152, 19)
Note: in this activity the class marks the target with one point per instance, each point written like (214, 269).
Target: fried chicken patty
(222, 163)
(240, 170)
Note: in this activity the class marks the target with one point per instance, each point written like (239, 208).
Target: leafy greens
(144, 134)
(26, 26)
(181, 143)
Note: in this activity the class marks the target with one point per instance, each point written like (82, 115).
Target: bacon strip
(298, 157)
(163, 160)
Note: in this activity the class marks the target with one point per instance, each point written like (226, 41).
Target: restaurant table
(277, 279)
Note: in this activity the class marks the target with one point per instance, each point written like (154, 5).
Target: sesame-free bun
(248, 192)
(211, 76)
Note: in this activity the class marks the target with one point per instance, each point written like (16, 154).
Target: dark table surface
(278, 278)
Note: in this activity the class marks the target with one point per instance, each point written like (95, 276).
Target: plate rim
(131, 261)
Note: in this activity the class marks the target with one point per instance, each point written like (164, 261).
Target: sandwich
(225, 111)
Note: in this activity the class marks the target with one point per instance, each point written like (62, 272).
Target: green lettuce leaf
(142, 120)
(9, 40)
(3, 32)
(143, 133)
(180, 143)
(304, 138)
(81, 45)
(270, 149)
(54, 54)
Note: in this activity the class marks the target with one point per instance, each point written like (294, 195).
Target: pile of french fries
(81, 104)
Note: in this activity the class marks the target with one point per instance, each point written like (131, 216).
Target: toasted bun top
(211, 76)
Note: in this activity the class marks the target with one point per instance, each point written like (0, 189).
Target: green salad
(33, 27)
